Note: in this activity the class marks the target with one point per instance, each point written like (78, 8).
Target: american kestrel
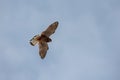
(43, 38)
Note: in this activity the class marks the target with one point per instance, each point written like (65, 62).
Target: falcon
(44, 38)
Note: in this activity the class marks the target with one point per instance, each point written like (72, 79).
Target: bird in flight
(43, 38)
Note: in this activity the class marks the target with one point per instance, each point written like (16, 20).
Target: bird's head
(34, 41)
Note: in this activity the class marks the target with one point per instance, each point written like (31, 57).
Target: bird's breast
(44, 38)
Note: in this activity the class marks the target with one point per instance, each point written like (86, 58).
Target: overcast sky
(86, 45)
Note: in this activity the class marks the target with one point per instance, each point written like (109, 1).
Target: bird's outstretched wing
(43, 39)
(50, 30)
(43, 47)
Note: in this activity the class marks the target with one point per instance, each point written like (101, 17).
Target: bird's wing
(34, 40)
(43, 47)
(50, 30)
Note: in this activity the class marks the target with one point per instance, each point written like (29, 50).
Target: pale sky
(86, 45)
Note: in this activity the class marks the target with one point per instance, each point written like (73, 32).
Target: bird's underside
(43, 39)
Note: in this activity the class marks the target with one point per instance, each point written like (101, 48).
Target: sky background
(86, 45)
